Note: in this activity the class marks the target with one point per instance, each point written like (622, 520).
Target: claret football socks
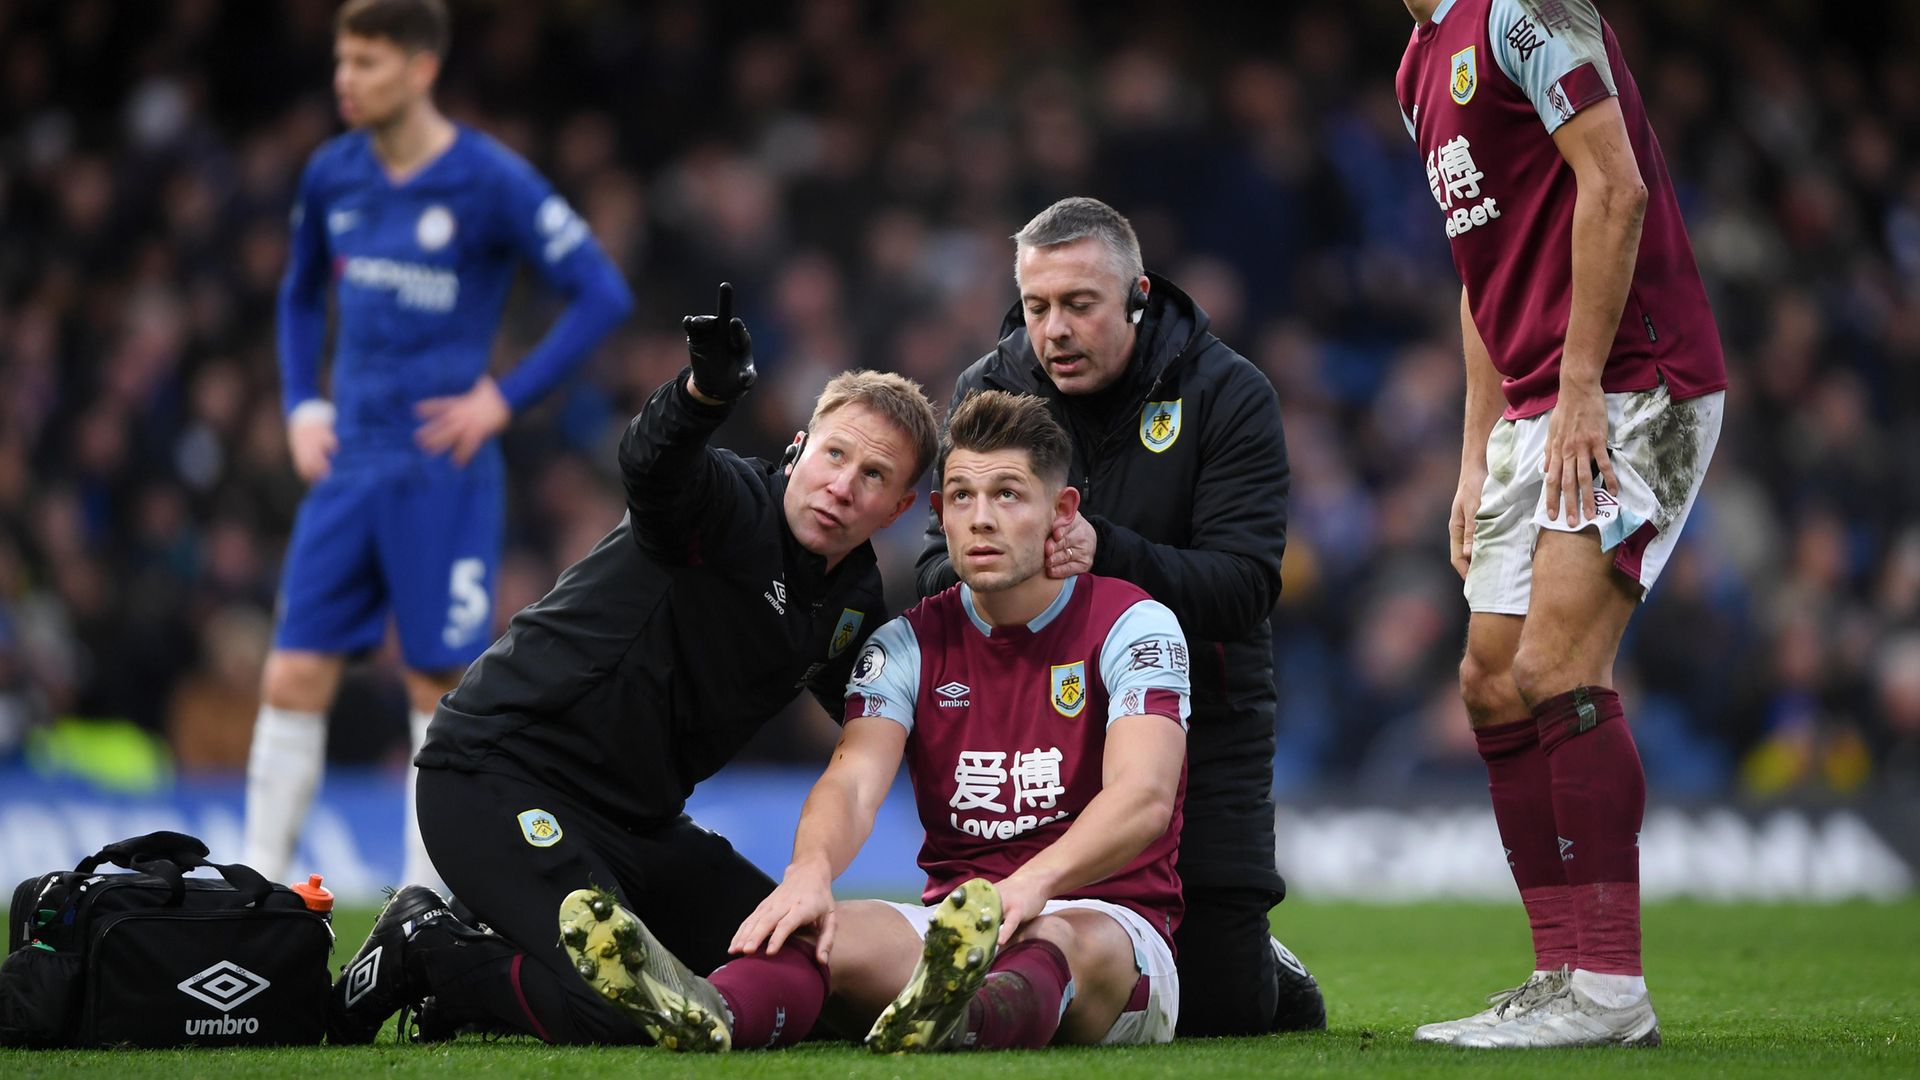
(1521, 785)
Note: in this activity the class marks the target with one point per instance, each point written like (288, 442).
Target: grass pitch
(1748, 990)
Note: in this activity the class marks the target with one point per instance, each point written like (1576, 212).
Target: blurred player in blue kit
(419, 225)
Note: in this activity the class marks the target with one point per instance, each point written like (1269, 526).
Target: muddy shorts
(1660, 449)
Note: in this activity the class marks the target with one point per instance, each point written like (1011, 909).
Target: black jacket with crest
(1182, 471)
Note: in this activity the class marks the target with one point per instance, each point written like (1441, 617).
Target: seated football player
(1043, 722)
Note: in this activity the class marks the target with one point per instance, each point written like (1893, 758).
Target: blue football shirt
(420, 271)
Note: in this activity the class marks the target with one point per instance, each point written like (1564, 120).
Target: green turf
(1742, 991)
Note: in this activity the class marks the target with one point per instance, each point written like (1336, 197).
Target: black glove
(721, 350)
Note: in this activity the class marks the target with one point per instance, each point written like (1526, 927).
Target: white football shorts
(1660, 449)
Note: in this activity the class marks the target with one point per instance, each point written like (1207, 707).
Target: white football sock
(1611, 991)
(418, 868)
(284, 764)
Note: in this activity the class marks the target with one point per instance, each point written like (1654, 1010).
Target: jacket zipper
(1099, 451)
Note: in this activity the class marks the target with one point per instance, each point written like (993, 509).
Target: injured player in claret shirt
(1043, 723)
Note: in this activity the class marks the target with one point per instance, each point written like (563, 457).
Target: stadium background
(856, 169)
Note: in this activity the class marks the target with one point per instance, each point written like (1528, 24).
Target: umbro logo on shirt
(953, 695)
(339, 221)
(777, 597)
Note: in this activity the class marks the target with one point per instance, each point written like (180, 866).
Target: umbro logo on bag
(223, 986)
(954, 695)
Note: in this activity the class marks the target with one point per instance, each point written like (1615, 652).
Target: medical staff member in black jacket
(1182, 471)
(565, 756)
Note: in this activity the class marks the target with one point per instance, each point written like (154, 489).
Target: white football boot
(1501, 1007)
(1571, 1018)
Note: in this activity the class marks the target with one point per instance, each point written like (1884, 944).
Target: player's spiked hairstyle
(996, 420)
(896, 397)
(414, 25)
(1076, 218)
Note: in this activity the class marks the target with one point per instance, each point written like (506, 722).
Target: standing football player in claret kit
(1595, 385)
(417, 226)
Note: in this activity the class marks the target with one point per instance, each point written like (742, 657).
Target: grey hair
(1076, 218)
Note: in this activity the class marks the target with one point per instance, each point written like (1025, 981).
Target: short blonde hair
(897, 398)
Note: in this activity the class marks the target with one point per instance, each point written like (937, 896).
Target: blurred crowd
(856, 168)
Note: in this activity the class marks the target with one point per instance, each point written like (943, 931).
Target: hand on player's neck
(1020, 604)
(412, 141)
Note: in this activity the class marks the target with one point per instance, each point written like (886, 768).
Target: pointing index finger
(725, 312)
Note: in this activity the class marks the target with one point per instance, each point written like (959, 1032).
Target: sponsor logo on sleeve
(1523, 39)
(561, 230)
(872, 661)
(1557, 98)
(1553, 15)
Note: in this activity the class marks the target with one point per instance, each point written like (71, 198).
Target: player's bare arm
(1140, 780)
(834, 823)
(1608, 210)
(458, 425)
(1484, 405)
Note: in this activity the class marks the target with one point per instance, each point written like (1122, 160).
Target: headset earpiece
(1136, 303)
(791, 455)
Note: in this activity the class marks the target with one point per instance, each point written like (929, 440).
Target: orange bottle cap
(316, 896)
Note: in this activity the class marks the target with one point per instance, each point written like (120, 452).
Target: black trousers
(689, 885)
(1228, 975)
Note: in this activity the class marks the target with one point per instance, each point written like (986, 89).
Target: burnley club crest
(1070, 688)
(843, 631)
(1159, 424)
(1466, 75)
